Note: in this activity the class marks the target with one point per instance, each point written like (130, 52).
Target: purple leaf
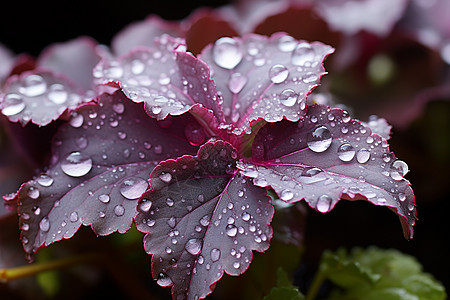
(38, 96)
(264, 78)
(169, 80)
(351, 17)
(326, 156)
(203, 219)
(143, 33)
(75, 59)
(101, 163)
(6, 63)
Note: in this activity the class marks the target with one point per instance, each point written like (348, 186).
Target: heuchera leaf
(143, 33)
(38, 96)
(75, 59)
(101, 162)
(264, 78)
(165, 77)
(326, 156)
(203, 218)
(350, 16)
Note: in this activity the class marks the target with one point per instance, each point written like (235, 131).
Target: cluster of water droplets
(268, 78)
(31, 96)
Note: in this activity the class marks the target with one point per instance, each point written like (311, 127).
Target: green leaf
(373, 273)
(284, 289)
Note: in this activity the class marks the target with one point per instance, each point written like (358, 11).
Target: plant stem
(7, 275)
(315, 285)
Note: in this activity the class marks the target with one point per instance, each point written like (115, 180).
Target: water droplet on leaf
(346, 152)
(227, 53)
(215, 254)
(12, 105)
(363, 155)
(288, 97)
(33, 85)
(133, 187)
(319, 140)
(76, 164)
(278, 73)
(303, 54)
(193, 246)
(237, 82)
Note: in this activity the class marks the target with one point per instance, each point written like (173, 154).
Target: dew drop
(215, 254)
(227, 53)
(103, 198)
(73, 217)
(193, 246)
(288, 97)
(165, 177)
(278, 73)
(363, 155)
(77, 120)
(231, 230)
(237, 82)
(133, 187)
(172, 222)
(323, 203)
(286, 43)
(402, 197)
(346, 152)
(76, 164)
(12, 105)
(145, 205)
(398, 169)
(164, 280)
(286, 195)
(246, 216)
(303, 54)
(169, 202)
(158, 149)
(236, 265)
(57, 94)
(319, 140)
(204, 221)
(44, 225)
(119, 210)
(33, 85)
(194, 134)
(33, 192)
(119, 108)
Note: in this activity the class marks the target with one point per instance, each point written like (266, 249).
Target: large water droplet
(45, 180)
(12, 105)
(324, 203)
(363, 155)
(286, 195)
(346, 152)
(76, 120)
(119, 210)
(204, 221)
(287, 43)
(237, 82)
(73, 217)
(231, 230)
(278, 73)
(320, 139)
(227, 53)
(33, 192)
(215, 254)
(399, 169)
(303, 54)
(57, 93)
(288, 97)
(104, 198)
(172, 222)
(119, 108)
(165, 177)
(33, 85)
(164, 280)
(245, 216)
(44, 225)
(194, 134)
(133, 187)
(145, 205)
(76, 164)
(193, 246)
